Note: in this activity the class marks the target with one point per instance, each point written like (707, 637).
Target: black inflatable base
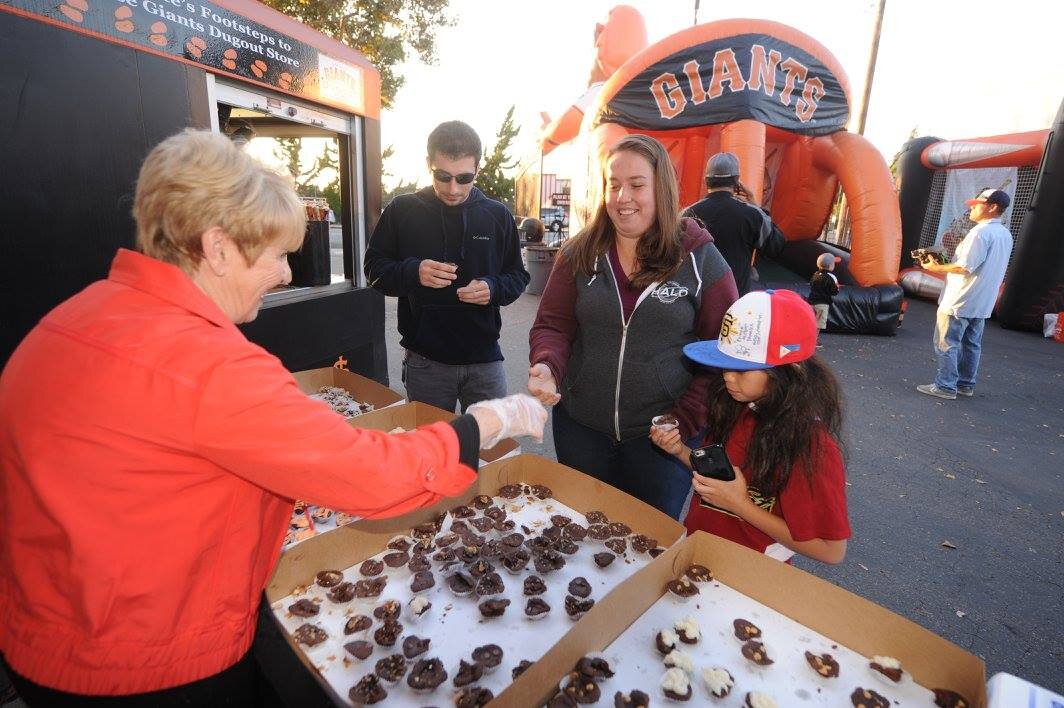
(859, 310)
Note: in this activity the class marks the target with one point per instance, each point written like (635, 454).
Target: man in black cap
(738, 227)
(972, 284)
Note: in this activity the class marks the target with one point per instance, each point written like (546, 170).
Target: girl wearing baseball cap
(776, 409)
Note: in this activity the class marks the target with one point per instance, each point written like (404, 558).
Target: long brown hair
(660, 250)
(802, 399)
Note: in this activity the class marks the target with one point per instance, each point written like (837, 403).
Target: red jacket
(148, 458)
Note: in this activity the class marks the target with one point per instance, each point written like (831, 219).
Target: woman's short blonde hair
(197, 180)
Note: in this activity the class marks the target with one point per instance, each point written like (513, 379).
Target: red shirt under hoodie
(149, 455)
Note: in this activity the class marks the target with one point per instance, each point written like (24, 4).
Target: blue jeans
(957, 343)
(444, 385)
(636, 467)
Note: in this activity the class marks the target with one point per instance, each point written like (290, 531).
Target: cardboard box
(412, 415)
(821, 606)
(351, 544)
(364, 390)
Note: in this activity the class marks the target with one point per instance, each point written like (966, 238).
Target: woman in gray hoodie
(625, 295)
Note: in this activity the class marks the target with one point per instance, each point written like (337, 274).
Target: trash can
(540, 261)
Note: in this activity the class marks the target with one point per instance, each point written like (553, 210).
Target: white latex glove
(519, 414)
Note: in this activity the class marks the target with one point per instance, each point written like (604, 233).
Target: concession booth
(89, 87)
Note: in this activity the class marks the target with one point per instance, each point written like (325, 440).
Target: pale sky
(953, 69)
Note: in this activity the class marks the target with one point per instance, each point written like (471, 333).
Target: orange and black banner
(750, 76)
(203, 33)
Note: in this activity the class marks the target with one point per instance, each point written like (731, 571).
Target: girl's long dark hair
(802, 399)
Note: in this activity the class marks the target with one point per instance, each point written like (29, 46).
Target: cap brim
(973, 202)
(708, 353)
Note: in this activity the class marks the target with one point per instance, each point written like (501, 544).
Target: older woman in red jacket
(150, 453)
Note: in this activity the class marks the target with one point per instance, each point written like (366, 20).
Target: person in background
(776, 408)
(625, 295)
(150, 454)
(823, 287)
(973, 281)
(739, 226)
(453, 258)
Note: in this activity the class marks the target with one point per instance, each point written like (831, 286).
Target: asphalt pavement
(957, 507)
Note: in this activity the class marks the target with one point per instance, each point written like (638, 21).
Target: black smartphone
(712, 461)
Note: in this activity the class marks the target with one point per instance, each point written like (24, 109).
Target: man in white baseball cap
(972, 284)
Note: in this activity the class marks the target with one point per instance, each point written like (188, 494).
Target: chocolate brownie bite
(467, 673)
(388, 611)
(756, 699)
(473, 697)
(687, 630)
(549, 561)
(367, 691)
(574, 532)
(576, 608)
(513, 540)
(462, 512)
(482, 524)
(603, 559)
(867, 698)
(536, 609)
(561, 520)
(698, 573)
(745, 630)
(516, 561)
(682, 589)
(489, 585)
(619, 530)
(655, 552)
(503, 525)
(310, 634)
(566, 546)
(399, 543)
(304, 608)
(755, 652)
(329, 578)
(491, 550)
(390, 669)
(422, 581)
(426, 675)
(617, 545)
(888, 667)
(539, 544)
(482, 502)
(561, 700)
(580, 587)
(596, 517)
(553, 533)
(541, 492)
(520, 668)
(387, 633)
(419, 564)
(510, 491)
(344, 592)
(642, 543)
(945, 698)
(423, 531)
(534, 585)
(598, 532)
(676, 686)
(582, 689)
(467, 553)
(665, 641)
(444, 555)
(360, 649)
(371, 568)
(495, 513)
(480, 568)
(358, 623)
(422, 547)
(719, 682)
(396, 559)
(495, 607)
(595, 667)
(824, 664)
(489, 656)
(461, 584)
(415, 646)
(632, 699)
(371, 587)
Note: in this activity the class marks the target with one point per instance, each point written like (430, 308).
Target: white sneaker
(933, 390)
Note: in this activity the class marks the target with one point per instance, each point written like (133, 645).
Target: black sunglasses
(446, 177)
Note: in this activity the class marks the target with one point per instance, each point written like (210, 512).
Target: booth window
(313, 148)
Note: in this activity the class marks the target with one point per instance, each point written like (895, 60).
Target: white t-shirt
(984, 253)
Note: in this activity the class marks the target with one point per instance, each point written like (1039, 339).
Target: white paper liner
(454, 623)
(790, 680)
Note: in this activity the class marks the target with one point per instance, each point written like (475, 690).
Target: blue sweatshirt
(479, 235)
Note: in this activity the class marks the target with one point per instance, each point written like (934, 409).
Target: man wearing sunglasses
(452, 257)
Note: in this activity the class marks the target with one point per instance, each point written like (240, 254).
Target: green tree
(385, 31)
(492, 179)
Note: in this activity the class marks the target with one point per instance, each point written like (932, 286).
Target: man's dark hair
(718, 182)
(454, 139)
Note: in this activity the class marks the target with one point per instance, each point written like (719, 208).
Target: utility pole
(862, 118)
(696, 13)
